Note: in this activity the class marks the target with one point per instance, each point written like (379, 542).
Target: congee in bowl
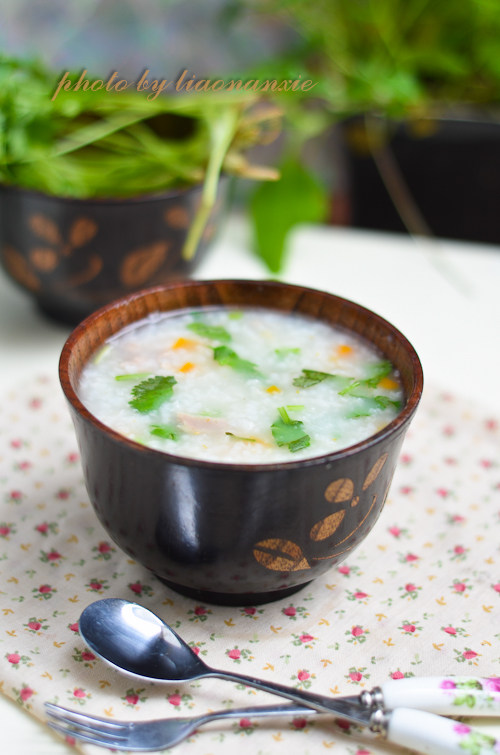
(240, 385)
(238, 438)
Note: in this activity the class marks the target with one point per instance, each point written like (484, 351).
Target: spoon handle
(446, 695)
(320, 703)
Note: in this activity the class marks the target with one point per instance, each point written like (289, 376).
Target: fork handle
(446, 695)
(436, 735)
(258, 711)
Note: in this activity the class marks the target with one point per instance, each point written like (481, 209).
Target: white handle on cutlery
(447, 695)
(428, 733)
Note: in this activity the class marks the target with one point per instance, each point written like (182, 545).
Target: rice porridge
(240, 385)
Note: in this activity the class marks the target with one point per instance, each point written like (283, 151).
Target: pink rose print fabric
(420, 596)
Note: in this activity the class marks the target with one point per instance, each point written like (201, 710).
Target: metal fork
(145, 736)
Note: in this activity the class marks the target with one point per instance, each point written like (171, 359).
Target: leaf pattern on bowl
(43, 259)
(280, 555)
(45, 228)
(46, 259)
(284, 555)
(142, 263)
(19, 268)
(81, 232)
(177, 217)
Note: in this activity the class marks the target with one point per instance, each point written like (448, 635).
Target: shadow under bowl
(237, 534)
(76, 255)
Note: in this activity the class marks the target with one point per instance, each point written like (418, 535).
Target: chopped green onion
(239, 437)
(133, 376)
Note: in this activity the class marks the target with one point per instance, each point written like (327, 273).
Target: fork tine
(102, 740)
(93, 723)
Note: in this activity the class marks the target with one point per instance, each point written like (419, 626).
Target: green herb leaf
(277, 206)
(229, 358)
(288, 432)
(285, 352)
(363, 388)
(377, 371)
(152, 393)
(367, 405)
(239, 437)
(313, 377)
(167, 432)
(133, 376)
(213, 332)
(359, 389)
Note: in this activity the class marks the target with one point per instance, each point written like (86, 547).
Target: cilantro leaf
(213, 332)
(152, 393)
(313, 377)
(368, 405)
(167, 432)
(363, 388)
(288, 432)
(377, 371)
(227, 357)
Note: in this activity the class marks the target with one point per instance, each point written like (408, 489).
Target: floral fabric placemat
(421, 596)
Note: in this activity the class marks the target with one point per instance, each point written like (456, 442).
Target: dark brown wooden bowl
(76, 255)
(232, 533)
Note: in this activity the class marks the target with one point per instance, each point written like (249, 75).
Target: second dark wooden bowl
(232, 533)
(76, 255)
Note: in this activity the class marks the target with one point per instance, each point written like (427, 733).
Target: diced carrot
(186, 367)
(184, 343)
(273, 389)
(388, 383)
(344, 349)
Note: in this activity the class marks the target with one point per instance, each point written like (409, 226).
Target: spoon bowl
(135, 640)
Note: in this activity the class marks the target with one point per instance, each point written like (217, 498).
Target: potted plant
(105, 191)
(415, 86)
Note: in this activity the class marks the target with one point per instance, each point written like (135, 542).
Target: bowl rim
(393, 428)
(135, 199)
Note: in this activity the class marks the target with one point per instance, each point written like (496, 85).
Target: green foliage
(276, 207)
(395, 57)
(398, 59)
(121, 144)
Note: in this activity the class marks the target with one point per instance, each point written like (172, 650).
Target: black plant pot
(450, 167)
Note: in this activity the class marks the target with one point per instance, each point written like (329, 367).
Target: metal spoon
(135, 640)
